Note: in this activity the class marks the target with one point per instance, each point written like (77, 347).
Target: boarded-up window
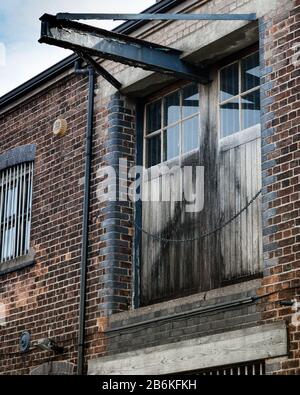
(221, 243)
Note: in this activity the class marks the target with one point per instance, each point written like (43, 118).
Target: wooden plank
(245, 345)
(158, 258)
(237, 243)
(165, 220)
(243, 236)
(222, 210)
(255, 209)
(248, 182)
(144, 269)
(249, 171)
(259, 204)
(227, 230)
(232, 212)
(241, 138)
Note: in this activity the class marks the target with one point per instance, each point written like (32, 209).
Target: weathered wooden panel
(240, 180)
(232, 177)
(175, 269)
(239, 346)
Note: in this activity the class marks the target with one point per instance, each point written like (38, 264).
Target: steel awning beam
(157, 17)
(119, 48)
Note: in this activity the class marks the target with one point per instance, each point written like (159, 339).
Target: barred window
(239, 95)
(15, 211)
(172, 125)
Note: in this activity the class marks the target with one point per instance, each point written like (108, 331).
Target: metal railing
(15, 211)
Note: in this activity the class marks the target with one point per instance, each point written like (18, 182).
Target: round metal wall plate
(25, 341)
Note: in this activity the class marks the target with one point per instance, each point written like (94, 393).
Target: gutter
(64, 65)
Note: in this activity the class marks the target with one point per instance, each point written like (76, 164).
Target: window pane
(8, 245)
(153, 151)
(172, 108)
(250, 72)
(153, 117)
(190, 100)
(171, 143)
(229, 82)
(11, 208)
(190, 134)
(251, 109)
(230, 118)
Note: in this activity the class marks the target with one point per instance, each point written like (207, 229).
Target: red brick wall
(44, 299)
(281, 171)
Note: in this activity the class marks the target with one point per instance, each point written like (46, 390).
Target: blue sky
(20, 30)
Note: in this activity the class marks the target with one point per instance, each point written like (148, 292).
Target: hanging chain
(205, 235)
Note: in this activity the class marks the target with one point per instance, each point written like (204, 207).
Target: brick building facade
(40, 291)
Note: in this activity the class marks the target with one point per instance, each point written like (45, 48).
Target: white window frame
(163, 128)
(253, 129)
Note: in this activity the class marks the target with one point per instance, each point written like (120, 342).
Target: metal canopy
(92, 41)
(159, 17)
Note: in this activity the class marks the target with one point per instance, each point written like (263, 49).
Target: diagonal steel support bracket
(100, 70)
(119, 48)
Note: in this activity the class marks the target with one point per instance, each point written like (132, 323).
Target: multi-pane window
(240, 95)
(15, 211)
(172, 125)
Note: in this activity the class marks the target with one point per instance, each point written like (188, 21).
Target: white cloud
(20, 30)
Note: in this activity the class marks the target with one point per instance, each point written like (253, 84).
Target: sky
(21, 56)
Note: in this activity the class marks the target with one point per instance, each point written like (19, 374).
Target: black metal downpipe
(86, 211)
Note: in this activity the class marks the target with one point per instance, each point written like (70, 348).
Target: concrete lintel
(245, 345)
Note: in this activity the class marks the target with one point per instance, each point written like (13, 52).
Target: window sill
(209, 298)
(17, 264)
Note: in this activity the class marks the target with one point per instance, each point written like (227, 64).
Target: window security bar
(15, 211)
(251, 369)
